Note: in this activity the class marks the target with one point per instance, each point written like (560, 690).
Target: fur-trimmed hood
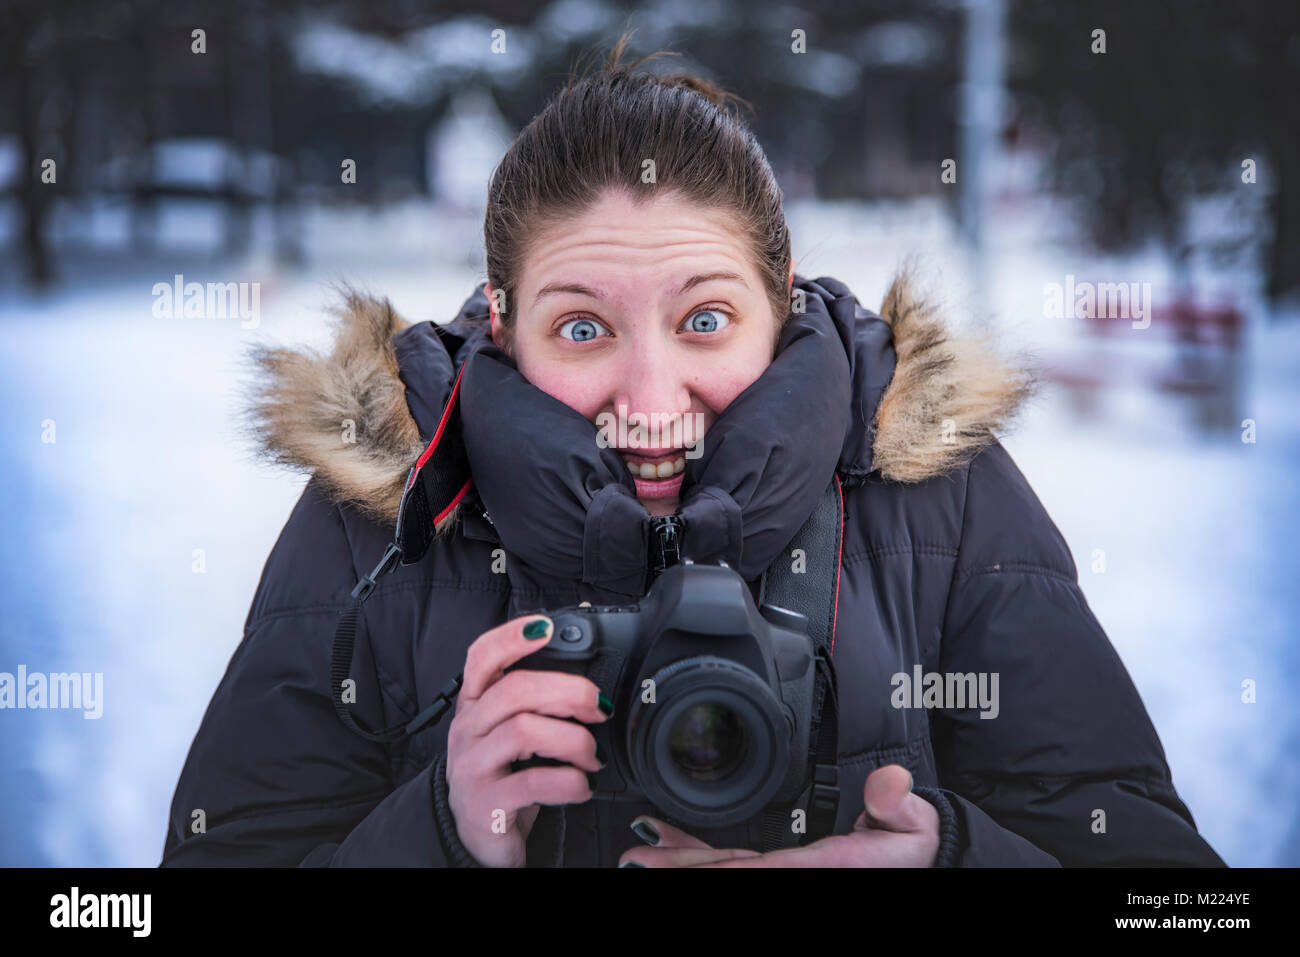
(359, 416)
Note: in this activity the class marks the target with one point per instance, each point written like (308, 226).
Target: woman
(639, 264)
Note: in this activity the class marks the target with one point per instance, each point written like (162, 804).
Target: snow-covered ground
(103, 524)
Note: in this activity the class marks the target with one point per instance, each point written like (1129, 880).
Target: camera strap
(806, 579)
(435, 485)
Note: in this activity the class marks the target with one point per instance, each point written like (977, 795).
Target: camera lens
(712, 746)
(708, 741)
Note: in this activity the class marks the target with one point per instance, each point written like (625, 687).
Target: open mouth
(659, 476)
(656, 468)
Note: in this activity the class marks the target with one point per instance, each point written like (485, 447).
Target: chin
(659, 507)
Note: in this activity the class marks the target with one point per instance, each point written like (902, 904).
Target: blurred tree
(1184, 92)
(29, 41)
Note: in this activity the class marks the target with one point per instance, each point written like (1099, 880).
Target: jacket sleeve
(273, 777)
(1071, 770)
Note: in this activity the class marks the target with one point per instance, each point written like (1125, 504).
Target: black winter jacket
(948, 561)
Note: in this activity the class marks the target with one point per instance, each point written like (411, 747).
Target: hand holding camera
(712, 706)
(502, 717)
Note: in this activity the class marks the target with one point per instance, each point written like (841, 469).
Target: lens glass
(708, 742)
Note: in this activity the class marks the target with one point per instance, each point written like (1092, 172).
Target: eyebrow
(578, 289)
(709, 277)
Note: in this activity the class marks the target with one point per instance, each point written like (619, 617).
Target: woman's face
(651, 310)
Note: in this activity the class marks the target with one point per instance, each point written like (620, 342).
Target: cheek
(722, 379)
(585, 391)
(718, 389)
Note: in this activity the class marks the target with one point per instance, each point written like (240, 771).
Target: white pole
(980, 124)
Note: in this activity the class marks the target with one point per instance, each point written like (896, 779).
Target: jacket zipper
(665, 543)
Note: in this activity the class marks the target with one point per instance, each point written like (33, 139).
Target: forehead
(626, 242)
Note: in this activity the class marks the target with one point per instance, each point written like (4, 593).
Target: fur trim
(946, 399)
(342, 416)
(948, 396)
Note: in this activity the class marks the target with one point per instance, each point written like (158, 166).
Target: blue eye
(583, 329)
(715, 320)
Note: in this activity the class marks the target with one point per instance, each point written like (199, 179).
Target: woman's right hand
(502, 718)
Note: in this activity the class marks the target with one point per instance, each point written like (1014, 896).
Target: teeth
(661, 471)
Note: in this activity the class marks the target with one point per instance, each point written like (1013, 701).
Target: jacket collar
(561, 503)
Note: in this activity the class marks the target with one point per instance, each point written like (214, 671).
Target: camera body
(713, 696)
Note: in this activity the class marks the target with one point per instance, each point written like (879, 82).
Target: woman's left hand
(895, 829)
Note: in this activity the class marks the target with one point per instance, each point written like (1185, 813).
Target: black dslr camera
(713, 697)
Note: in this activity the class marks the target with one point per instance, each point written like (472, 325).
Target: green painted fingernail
(646, 831)
(600, 755)
(631, 864)
(606, 706)
(537, 629)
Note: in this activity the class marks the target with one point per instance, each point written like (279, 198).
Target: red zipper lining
(442, 426)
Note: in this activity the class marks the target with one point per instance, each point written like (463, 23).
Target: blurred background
(1022, 153)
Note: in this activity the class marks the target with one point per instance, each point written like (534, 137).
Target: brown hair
(596, 133)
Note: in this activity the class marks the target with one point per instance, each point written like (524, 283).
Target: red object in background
(1184, 321)
(1189, 349)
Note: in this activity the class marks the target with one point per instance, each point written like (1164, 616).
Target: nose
(652, 382)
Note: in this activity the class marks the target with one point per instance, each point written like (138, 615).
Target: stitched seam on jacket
(459, 585)
(885, 551)
(952, 581)
(369, 800)
(1097, 777)
(1013, 568)
(387, 588)
(292, 612)
(915, 743)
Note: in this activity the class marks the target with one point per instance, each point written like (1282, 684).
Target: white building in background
(463, 148)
